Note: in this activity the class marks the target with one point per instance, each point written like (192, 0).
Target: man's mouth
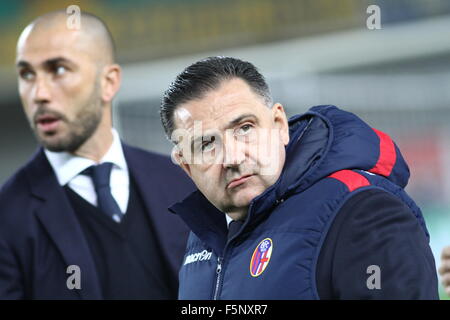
(238, 181)
(47, 123)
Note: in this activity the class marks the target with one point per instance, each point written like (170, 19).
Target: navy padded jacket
(337, 224)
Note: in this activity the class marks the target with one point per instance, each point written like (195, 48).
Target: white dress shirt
(229, 219)
(68, 167)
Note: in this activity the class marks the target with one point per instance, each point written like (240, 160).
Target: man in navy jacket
(86, 217)
(309, 208)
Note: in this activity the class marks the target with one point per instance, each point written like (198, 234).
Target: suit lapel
(58, 218)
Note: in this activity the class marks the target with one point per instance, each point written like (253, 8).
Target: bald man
(86, 217)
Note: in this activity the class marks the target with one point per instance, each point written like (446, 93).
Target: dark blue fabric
(297, 213)
(40, 235)
(234, 227)
(100, 175)
(126, 255)
(365, 231)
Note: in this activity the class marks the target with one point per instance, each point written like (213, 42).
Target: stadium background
(312, 52)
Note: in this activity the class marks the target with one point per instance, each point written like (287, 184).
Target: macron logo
(199, 256)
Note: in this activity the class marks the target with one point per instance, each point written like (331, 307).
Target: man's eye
(208, 145)
(246, 128)
(60, 70)
(26, 74)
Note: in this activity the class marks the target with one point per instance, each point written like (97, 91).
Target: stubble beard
(78, 130)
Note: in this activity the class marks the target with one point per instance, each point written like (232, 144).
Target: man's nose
(41, 90)
(234, 153)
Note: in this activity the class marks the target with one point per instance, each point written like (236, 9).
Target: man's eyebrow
(47, 63)
(240, 118)
(22, 64)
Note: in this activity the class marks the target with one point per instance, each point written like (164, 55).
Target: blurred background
(396, 78)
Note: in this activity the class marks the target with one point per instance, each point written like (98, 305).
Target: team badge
(261, 257)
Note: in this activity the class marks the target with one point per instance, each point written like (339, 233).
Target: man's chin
(56, 143)
(54, 146)
(244, 198)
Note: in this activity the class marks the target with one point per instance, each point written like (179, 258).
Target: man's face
(233, 146)
(59, 87)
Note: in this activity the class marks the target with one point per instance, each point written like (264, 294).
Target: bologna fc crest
(261, 257)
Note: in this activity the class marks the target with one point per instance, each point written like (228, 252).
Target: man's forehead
(220, 105)
(187, 114)
(39, 43)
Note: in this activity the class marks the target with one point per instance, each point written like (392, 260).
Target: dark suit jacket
(40, 235)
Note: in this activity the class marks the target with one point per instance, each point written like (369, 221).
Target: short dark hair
(206, 75)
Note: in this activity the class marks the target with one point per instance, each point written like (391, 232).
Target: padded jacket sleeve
(376, 249)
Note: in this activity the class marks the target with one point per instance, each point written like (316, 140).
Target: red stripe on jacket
(351, 179)
(388, 156)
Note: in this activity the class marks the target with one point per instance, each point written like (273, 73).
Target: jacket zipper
(218, 272)
(220, 261)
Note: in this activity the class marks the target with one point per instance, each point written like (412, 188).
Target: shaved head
(93, 34)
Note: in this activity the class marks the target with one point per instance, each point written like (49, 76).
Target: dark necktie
(100, 175)
(234, 228)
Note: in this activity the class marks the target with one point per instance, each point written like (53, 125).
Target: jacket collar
(204, 219)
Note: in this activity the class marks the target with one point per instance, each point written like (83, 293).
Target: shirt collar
(67, 166)
(228, 220)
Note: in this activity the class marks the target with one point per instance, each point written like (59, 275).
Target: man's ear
(110, 81)
(281, 122)
(178, 157)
